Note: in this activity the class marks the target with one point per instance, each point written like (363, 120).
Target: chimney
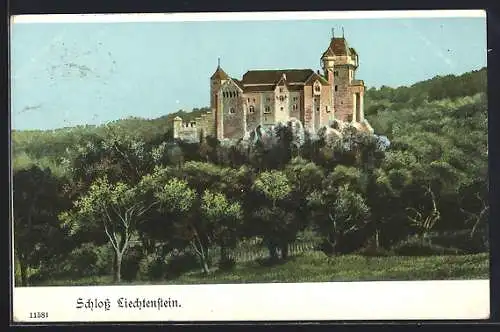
(284, 76)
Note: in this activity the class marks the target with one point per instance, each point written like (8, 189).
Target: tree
(277, 226)
(37, 201)
(114, 208)
(338, 213)
(224, 217)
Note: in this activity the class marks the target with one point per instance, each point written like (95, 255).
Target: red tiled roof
(238, 82)
(273, 76)
(219, 74)
(338, 46)
(270, 88)
(318, 77)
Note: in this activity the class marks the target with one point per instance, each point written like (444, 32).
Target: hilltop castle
(267, 97)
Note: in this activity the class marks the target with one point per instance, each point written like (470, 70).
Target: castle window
(248, 100)
(335, 73)
(281, 90)
(267, 109)
(282, 98)
(281, 108)
(326, 109)
(336, 87)
(251, 109)
(294, 107)
(268, 99)
(317, 109)
(317, 88)
(254, 100)
(232, 110)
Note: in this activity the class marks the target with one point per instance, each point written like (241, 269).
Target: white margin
(243, 16)
(389, 300)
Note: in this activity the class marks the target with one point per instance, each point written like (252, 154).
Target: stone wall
(308, 115)
(295, 99)
(253, 118)
(343, 101)
(233, 113)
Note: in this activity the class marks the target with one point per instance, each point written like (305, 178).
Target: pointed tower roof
(219, 74)
(338, 46)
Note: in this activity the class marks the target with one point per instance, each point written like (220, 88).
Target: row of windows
(267, 109)
(230, 94)
(268, 99)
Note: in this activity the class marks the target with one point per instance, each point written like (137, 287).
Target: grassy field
(316, 267)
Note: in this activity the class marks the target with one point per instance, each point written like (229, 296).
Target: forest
(126, 203)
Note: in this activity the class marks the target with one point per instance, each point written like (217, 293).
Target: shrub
(152, 267)
(181, 262)
(227, 264)
(81, 262)
(105, 258)
(417, 246)
(462, 240)
(131, 263)
(372, 251)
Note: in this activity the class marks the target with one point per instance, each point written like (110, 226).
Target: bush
(131, 263)
(105, 258)
(179, 263)
(227, 264)
(417, 246)
(461, 240)
(81, 262)
(372, 251)
(152, 267)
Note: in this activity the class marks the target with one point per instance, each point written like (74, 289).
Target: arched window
(267, 109)
(251, 109)
(232, 110)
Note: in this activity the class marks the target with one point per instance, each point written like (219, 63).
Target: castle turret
(177, 126)
(218, 78)
(339, 63)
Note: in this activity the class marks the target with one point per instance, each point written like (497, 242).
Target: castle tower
(177, 126)
(340, 63)
(218, 78)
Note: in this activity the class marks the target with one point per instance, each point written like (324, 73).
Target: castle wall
(267, 100)
(282, 101)
(308, 115)
(343, 100)
(188, 132)
(295, 99)
(326, 108)
(233, 117)
(254, 118)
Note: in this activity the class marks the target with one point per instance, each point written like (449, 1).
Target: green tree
(277, 225)
(338, 212)
(37, 201)
(116, 209)
(225, 217)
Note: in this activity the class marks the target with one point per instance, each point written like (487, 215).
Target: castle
(267, 97)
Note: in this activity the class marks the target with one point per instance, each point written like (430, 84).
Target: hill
(380, 105)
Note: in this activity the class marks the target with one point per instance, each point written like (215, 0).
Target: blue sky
(89, 73)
